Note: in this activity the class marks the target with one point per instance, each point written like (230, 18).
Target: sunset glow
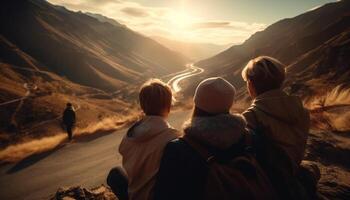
(218, 22)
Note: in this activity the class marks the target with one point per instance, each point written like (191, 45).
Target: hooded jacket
(182, 174)
(69, 116)
(142, 148)
(283, 120)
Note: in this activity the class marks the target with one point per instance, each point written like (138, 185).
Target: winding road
(85, 161)
(191, 70)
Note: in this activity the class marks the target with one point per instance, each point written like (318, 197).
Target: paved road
(84, 162)
(191, 70)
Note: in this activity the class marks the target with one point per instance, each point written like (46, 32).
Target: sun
(181, 20)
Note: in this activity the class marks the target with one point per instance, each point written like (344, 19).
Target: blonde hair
(266, 73)
(155, 97)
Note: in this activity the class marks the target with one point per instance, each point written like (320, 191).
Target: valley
(51, 55)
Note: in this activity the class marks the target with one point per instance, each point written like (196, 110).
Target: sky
(202, 21)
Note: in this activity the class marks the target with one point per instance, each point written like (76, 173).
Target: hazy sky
(209, 21)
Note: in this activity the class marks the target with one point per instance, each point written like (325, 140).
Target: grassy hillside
(82, 48)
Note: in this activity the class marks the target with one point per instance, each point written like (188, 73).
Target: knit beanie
(214, 95)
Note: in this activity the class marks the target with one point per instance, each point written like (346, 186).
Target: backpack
(238, 178)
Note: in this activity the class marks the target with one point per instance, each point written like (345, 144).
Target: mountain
(32, 100)
(82, 48)
(50, 56)
(313, 45)
(102, 18)
(194, 51)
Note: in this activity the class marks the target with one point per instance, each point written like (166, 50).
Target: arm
(250, 118)
(64, 116)
(73, 117)
(255, 132)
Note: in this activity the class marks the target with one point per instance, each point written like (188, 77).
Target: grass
(17, 152)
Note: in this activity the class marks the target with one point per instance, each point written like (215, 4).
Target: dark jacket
(182, 174)
(281, 123)
(69, 116)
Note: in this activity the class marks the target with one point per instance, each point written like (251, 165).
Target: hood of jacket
(282, 107)
(142, 149)
(148, 127)
(220, 131)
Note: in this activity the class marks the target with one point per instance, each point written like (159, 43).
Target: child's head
(263, 74)
(155, 98)
(213, 96)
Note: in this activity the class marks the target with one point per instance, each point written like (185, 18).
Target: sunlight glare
(181, 20)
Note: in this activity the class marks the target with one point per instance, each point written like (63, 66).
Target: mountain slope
(288, 40)
(50, 56)
(32, 99)
(315, 46)
(82, 48)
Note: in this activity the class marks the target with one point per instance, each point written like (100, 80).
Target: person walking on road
(69, 119)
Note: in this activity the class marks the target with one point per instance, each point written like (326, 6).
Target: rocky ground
(79, 193)
(330, 151)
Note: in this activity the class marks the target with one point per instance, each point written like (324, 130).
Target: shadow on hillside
(31, 160)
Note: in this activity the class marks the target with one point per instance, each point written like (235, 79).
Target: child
(201, 165)
(278, 119)
(142, 147)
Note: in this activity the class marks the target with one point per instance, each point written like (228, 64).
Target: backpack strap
(203, 152)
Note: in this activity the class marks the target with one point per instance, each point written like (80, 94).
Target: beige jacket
(142, 149)
(285, 121)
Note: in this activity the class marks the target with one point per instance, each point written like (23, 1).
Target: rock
(331, 152)
(335, 182)
(79, 193)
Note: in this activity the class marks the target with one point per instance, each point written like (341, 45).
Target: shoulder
(181, 156)
(177, 144)
(180, 149)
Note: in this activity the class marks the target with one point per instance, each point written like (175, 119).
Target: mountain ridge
(287, 40)
(109, 56)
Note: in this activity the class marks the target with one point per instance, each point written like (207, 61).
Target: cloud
(135, 12)
(205, 25)
(105, 1)
(228, 25)
(167, 22)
